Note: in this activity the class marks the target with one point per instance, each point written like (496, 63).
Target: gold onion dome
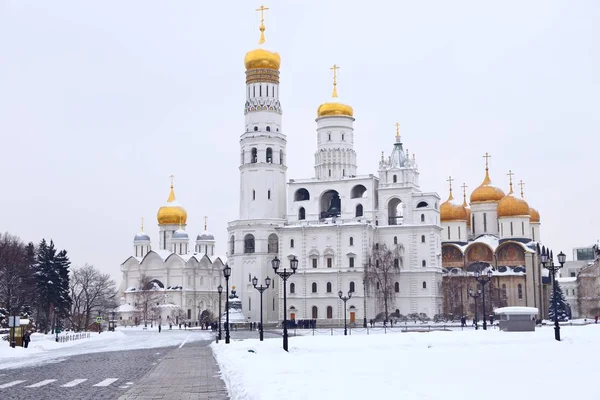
(261, 58)
(485, 192)
(172, 213)
(334, 108)
(534, 215)
(511, 205)
(449, 211)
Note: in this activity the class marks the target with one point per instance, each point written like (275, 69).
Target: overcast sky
(101, 101)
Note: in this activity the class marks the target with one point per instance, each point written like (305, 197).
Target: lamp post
(285, 274)
(483, 279)
(220, 290)
(345, 299)
(548, 263)
(475, 296)
(227, 274)
(261, 289)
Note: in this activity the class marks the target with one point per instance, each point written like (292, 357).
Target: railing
(73, 336)
(395, 220)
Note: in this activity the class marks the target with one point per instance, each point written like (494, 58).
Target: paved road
(89, 376)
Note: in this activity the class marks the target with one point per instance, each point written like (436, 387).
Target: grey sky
(101, 101)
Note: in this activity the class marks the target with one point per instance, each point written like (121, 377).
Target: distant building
(569, 288)
(582, 257)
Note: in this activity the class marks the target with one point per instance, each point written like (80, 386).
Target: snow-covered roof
(566, 279)
(125, 308)
(516, 310)
(169, 305)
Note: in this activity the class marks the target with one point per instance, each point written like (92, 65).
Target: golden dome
(486, 192)
(261, 58)
(512, 206)
(452, 212)
(468, 210)
(331, 109)
(171, 213)
(534, 215)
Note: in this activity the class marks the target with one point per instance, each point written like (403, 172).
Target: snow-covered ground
(434, 365)
(44, 348)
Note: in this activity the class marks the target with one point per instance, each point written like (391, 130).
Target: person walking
(26, 339)
(159, 328)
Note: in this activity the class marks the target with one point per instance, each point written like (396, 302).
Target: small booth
(18, 327)
(516, 319)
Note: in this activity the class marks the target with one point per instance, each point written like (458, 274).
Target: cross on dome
(262, 27)
(521, 184)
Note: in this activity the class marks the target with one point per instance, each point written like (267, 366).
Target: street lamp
(285, 274)
(483, 279)
(227, 274)
(345, 299)
(548, 263)
(220, 290)
(475, 296)
(261, 289)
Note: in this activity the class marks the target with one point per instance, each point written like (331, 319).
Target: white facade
(569, 288)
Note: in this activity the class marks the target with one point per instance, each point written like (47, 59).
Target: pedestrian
(159, 328)
(26, 339)
(170, 326)
(596, 319)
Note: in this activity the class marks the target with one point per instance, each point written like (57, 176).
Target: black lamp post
(345, 299)
(483, 279)
(261, 289)
(285, 274)
(220, 290)
(548, 263)
(227, 274)
(475, 296)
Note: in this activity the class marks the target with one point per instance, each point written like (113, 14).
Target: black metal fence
(73, 336)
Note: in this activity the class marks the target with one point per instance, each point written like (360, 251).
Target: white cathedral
(329, 222)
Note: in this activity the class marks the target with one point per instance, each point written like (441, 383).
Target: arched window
(484, 222)
(232, 245)
(281, 157)
(397, 287)
(254, 155)
(358, 191)
(343, 137)
(315, 312)
(329, 312)
(255, 128)
(422, 204)
(351, 241)
(330, 204)
(422, 217)
(292, 288)
(301, 213)
(269, 194)
(359, 210)
(301, 195)
(269, 155)
(253, 194)
(424, 285)
(395, 212)
(511, 229)
(351, 287)
(394, 179)
(377, 285)
(292, 243)
(396, 263)
(473, 223)
(520, 291)
(328, 287)
(522, 228)
(273, 243)
(422, 238)
(268, 127)
(249, 243)
(314, 287)
(424, 263)
(395, 239)
(329, 137)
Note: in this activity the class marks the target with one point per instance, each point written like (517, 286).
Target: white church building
(330, 222)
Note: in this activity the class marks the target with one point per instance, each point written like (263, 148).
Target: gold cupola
(449, 211)
(486, 193)
(511, 205)
(334, 108)
(172, 213)
(262, 65)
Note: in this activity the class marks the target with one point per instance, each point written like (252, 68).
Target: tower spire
(262, 27)
(510, 175)
(205, 219)
(487, 180)
(521, 184)
(172, 193)
(449, 180)
(397, 132)
(464, 188)
(334, 69)
(142, 227)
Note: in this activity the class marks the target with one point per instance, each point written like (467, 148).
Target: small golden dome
(261, 58)
(450, 211)
(512, 206)
(171, 213)
(468, 210)
(534, 215)
(486, 192)
(331, 109)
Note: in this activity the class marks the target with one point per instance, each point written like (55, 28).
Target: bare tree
(17, 287)
(91, 291)
(381, 272)
(588, 290)
(455, 292)
(147, 297)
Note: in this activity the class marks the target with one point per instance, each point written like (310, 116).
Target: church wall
(519, 229)
(485, 217)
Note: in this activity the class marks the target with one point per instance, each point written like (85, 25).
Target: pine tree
(561, 305)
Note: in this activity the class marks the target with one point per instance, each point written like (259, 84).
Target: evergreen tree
(561, 305)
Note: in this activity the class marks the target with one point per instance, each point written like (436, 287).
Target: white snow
(516, 310)
(438, 365)
(44, 348)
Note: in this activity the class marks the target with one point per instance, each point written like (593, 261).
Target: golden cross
(510, 175)
(449, 180)
(487, 157)
(172, 180)
(142, 224)
(521, 183)
(205, 219)
(334, 68)
(464, 188)
(398, 130)
(262, 10)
